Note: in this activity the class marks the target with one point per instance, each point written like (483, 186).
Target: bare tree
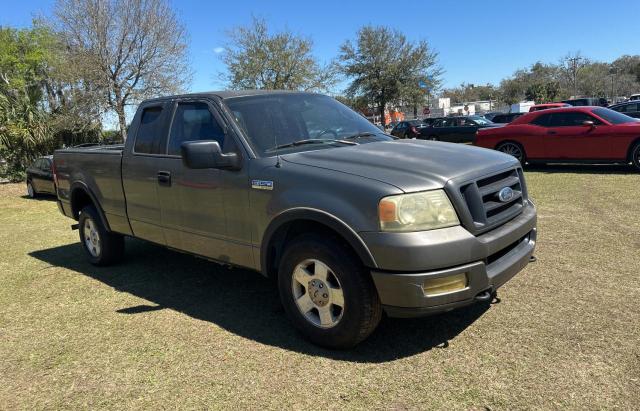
(128, 49)
(258, 59)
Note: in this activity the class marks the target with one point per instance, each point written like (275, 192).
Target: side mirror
(207, 154)
(589, 123)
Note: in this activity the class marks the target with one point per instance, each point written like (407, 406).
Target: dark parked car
(630, 108)
(506, 117)
(40, 177)
(430, 120)
(408, 129)
(347, 221)
(490, 115)
(587, 101)
(461, 129)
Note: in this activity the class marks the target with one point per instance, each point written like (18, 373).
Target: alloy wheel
(91, 237)
(317, 293)
(513, 150)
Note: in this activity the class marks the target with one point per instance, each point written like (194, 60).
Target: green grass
(167, 330)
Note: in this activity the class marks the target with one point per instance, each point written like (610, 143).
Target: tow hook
(484, 296)
(75, 226)
(533, 259)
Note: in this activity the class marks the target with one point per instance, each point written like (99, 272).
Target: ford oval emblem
(506, 194)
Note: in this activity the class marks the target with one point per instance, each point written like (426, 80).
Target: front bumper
(407, 260)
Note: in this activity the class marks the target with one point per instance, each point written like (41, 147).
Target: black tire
(508, 147)
(31, 190)
(110, 247)
(361, 311)
(635, 156)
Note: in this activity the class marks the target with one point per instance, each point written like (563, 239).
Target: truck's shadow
(245, 303)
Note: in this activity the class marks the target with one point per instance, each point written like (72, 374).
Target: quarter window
(149, 132)
(542, 120)
(193, 122)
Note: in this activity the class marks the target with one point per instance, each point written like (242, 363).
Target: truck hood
(410, 165)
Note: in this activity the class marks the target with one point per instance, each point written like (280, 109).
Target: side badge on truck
(262, 184)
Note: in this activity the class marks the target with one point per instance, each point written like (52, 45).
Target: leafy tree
(385, 67)
(258, 59)
(470, 92)
(127, 50)
(40, 105)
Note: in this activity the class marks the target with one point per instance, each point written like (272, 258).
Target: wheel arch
(289, 224)
(81, 196)
(633, 144)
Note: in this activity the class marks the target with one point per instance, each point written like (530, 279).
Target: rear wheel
(327, 293)
(513, 149)
(31, 192)
(635, 156)
(102, 247)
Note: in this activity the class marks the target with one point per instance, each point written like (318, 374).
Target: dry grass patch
(168, 330)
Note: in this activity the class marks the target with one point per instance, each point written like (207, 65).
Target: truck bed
(99, 168)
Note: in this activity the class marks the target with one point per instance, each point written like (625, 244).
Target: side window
(571, 119)
(543, 120)
(149, 131)
(194, 121)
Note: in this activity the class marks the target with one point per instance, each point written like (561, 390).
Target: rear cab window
(150, 132)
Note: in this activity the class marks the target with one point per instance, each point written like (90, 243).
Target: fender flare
(78, 185)
(318, 216)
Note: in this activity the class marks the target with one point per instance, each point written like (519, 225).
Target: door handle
(552, 132)
(164, 178)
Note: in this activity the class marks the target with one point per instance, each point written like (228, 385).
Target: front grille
(486, 208)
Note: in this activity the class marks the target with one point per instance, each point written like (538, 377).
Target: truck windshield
(281, 120)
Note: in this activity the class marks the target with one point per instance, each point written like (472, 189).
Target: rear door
(444, 130)
(141, 168)
(46, 176)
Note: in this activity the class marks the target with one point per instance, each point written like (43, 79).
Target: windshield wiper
(363, 134)
(310, 141)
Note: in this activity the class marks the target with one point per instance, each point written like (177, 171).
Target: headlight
(427, 210)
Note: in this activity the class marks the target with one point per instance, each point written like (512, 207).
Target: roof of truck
(224, 94)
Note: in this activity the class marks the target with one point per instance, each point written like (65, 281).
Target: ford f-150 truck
(349, 222)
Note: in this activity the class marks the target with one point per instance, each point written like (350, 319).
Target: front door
(198, 203)
(568, 137)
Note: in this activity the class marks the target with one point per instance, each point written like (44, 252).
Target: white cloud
(218, 50)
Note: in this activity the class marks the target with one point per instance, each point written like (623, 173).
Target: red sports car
(572, 134)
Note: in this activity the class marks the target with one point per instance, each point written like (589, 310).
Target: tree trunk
(382, 119)
(122, 121)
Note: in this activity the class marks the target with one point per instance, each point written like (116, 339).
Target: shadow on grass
(41, 197)
(582, 168)
(245, 303)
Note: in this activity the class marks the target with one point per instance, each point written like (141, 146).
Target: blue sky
(477, 41)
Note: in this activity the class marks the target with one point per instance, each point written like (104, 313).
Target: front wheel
(635, 156)
(327, 293)
(102, 247)
(513, 149)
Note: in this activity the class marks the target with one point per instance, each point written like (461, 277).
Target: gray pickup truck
(349, 222)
